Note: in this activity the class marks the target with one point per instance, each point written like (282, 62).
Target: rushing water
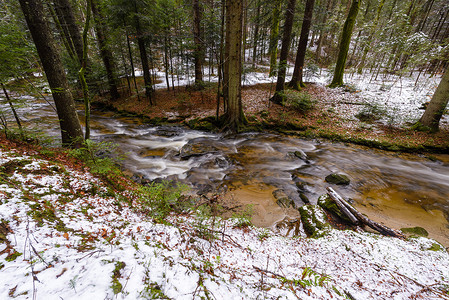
(400, 191)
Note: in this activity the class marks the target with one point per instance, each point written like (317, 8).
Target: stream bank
(92, 237)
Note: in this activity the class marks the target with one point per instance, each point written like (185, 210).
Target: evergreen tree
(296, 81)
(36, 19)
(286, 37)
(344, 44)
(234, 116)
(431, 118)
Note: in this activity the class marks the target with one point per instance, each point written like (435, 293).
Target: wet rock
(416, 231)
(304, 198)
(314, 221)
(197, 147)
(326, 202)
(167, 131)
(301, 155)
(339, 179)
(282, 199)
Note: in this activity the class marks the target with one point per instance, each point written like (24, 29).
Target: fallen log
(339, 201)
(361, 218)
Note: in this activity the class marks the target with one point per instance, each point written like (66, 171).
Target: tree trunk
(131, 61)
(431, 118)
(256, 34)
(19, 125)
(63, 32)
(105, 52)
(274, 34)
(144, 60)
(220, 62)
(297, 82)
(344, 44)
(71, 132)
(65, 12)
(198, 40)
(82, 72)
(283, 59)
(234, 116)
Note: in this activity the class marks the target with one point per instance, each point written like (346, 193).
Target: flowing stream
(398, 190)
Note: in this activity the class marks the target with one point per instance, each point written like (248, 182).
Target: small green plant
(151, 290)
(100, 157)
(243, 218)
(370, 113)
(116, 274)
(263, 235)
(72, 282)
(159, 199)
(300, 101)
(309, 277)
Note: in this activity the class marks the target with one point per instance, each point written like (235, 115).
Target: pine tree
(431, 118)
(286, 37)
(296, 81)
(234, 116)
(344, 44)
(36, 19)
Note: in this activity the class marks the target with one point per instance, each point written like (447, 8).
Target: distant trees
(36, 19)
(182, 39)
(105, 50)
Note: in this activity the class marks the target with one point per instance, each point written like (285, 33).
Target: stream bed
(397, 190)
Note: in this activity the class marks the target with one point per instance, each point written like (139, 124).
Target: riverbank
(377, 119)
(67, 233)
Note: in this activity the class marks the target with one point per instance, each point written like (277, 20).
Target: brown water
(400, 191)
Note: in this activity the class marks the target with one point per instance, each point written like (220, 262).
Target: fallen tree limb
(339, 201)
(361, 218)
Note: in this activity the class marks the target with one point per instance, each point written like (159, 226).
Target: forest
(224, 149)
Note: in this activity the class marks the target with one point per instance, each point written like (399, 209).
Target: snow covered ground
(398, 97)
(66, 235)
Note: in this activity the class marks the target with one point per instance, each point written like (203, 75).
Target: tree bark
(297, 82)
(234, 116)
(344, 44)
(82, 72)
(71, 132)
(64, 9)
(198, 41)
(105, 52)
(19, 125)
(283, 59)
(144, 60)
(256, 34)
(274, 34)
(430, 120)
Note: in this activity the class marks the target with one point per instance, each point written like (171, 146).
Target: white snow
(178, 261)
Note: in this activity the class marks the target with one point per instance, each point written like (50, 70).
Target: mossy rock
(282, 199)
(339, 179)
(415, 231)
(314, 221)
(436, 247)
(326, 202)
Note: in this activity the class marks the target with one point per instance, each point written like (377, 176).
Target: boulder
(339, 179)
(282, 199)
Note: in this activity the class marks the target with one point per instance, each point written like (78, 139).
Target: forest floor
(376, 113)
(68, 234)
